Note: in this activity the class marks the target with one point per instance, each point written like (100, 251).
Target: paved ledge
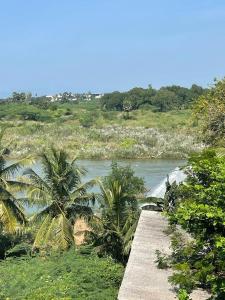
(142, 279)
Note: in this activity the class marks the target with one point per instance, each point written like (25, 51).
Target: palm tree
(63, 198)
(113, 232)
(11, 211)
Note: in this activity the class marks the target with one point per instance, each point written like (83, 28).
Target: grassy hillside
(85, 129)
(64, 276)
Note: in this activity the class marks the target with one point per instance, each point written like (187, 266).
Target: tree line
(164, 99)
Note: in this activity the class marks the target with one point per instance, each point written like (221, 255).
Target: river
(152, 171)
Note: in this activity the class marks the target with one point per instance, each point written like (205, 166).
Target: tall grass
(104, 135)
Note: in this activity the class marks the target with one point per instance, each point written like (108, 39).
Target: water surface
(152, 171)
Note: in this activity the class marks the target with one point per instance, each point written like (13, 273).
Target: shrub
(200, 210)
(19, 250)
(66, 275)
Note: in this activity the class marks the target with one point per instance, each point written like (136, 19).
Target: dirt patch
(80, 227)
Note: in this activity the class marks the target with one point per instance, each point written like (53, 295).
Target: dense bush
(65, 275)
(200, 209)
(88, 119)
(5, 244)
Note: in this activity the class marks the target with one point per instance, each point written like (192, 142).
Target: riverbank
(89, 132)
(108, 142)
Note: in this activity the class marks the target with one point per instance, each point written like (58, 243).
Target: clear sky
(49, 46)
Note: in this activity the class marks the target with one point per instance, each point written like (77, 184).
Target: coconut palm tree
(11, 211)
(113, 232)
(62, 196)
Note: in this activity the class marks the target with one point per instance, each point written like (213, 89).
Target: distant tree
(43, 103)
(66, 96)
(18, 97)
(165, 100)
(196, 90)
(136, 97)
(113, 101)
(183, 95)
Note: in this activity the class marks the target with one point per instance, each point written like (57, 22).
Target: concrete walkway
(142, 279)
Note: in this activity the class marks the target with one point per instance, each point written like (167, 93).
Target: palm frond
(12, 169)
(51, 210)
(220, 152)
(129, 231)
(48, 167)
(106, 196)
(11, 215)
(81, 189)
(63, 233)
(35, 179)
(41, 233)
(17, 186)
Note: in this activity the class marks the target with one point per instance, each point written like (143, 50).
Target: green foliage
(162, 260)
(15, 244)
(19, 97)
(183, 295)
(171, 195)
(164, 99)
(113, 232)
(20, 249)
(66, 275)
(12, 216)
(210, 109)
(43, 103)
(62, 196)
(5, 244)
(24, 111)
(200, 210)
(88, 119)
(131, 185)
(113, 101)
(154, 135)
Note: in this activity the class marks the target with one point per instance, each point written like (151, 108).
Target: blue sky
(49, 46)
